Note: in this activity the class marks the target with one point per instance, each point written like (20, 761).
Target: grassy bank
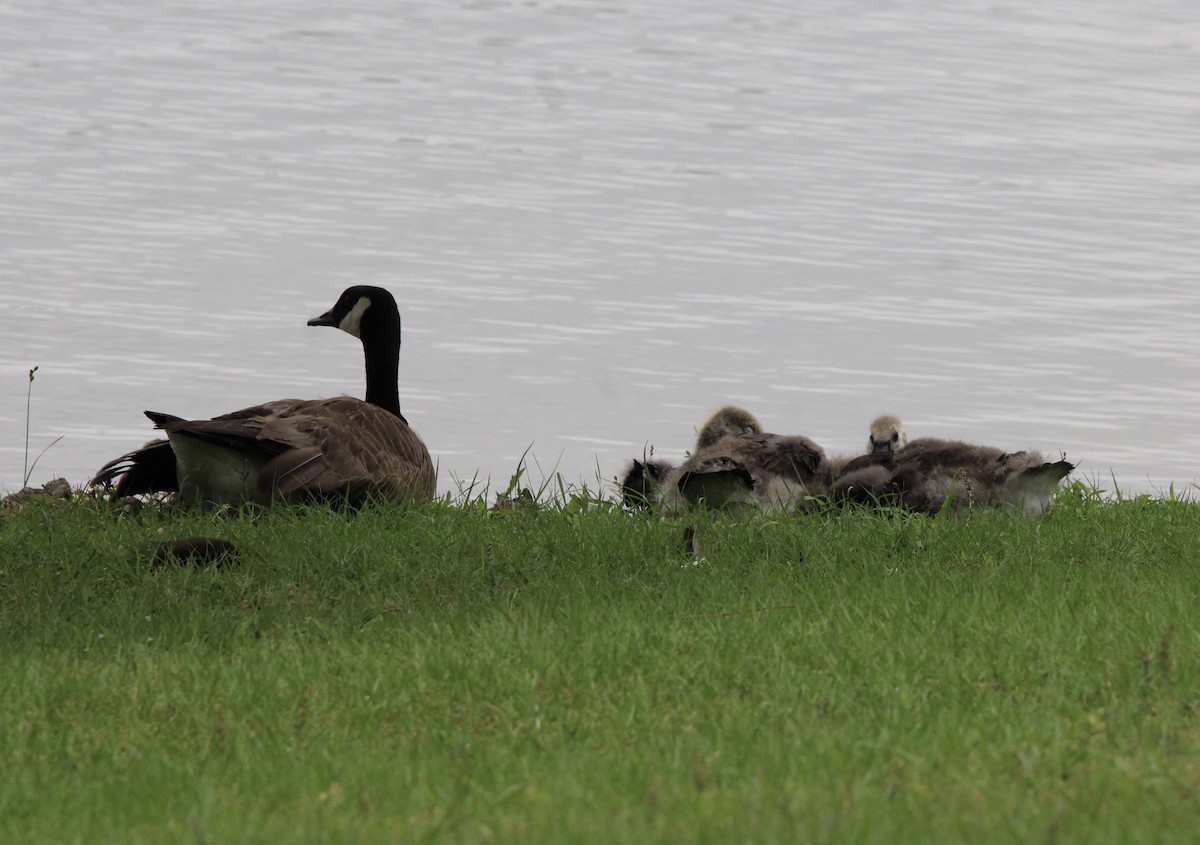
(451, 674)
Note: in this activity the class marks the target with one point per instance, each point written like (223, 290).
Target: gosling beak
(881, 447)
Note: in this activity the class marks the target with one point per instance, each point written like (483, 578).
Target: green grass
(571, 674)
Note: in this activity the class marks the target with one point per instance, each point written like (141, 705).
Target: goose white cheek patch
(352, 322)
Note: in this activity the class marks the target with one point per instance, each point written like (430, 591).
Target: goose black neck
(381, 349)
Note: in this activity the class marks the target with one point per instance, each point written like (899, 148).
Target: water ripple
(604, 219)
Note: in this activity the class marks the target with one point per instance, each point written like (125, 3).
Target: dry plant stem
(25, 470)
(28, 468)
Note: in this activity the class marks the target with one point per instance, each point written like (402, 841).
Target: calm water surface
(604, 219)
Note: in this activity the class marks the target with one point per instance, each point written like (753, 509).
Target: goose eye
(895, 436)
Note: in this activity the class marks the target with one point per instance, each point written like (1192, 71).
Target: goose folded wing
(717, 480)
(794, 458)
(358, 451)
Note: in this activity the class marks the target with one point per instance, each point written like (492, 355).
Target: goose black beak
(326, 319)
(881, 447)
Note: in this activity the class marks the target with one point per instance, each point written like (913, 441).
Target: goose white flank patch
(339, 449)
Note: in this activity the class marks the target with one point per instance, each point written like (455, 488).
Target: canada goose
(339, 449)
(725, 422)
(641, 481)
(736, 464)
(886, 436)
(929, 474)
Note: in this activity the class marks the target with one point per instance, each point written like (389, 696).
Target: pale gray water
(604, 219)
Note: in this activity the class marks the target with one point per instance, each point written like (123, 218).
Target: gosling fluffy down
(736, 465)
(930, 475)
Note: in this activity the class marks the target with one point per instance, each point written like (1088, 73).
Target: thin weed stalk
(27, 469)
(28, 402)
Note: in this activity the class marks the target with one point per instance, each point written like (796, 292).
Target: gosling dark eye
(896, 437)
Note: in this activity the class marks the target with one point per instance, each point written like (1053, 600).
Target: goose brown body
(339, 449)
(736, 464)
(929, 475)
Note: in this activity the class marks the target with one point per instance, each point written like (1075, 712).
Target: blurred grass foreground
(566, 671)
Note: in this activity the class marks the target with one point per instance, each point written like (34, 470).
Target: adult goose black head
(370, 314)
(736, 464)
(339, 449)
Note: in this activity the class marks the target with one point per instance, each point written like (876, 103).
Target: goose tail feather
(1033, 488)
(150, 469)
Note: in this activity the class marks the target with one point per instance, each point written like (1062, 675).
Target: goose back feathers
(340, 449)
(736, 464)
(928, 475)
